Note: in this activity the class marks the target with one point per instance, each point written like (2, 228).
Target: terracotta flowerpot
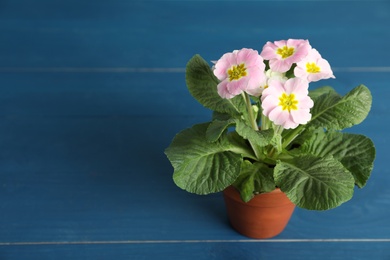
(264, 216)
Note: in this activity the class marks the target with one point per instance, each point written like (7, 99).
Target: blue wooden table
(92, 92)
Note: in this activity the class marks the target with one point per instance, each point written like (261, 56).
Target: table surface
(92, 92)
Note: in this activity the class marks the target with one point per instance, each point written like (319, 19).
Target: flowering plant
(269, 130)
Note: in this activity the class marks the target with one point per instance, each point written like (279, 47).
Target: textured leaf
(355, 152)
(333, 112)
(254, 178)
(220, 116)
(199, 166)
(316, 93)
(240, 145)
(216, 128)
(202, 85)
(260, 138)
(315, 183)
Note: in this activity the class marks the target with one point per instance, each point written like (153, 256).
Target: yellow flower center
(312, 68)
(285, 52)
(288, 102)
(237, 72)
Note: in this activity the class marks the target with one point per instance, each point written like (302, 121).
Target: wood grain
(91, 93)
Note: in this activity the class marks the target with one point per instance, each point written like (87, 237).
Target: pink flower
(283, 54)
(287, 104)
(240, 71)
(313, 67)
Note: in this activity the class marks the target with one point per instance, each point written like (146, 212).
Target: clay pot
(264, 216)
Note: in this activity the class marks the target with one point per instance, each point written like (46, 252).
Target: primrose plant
(268, 130)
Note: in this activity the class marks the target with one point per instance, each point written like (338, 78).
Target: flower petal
(247, 56)
(278, 116)
(223, 65)
(223, 90)
(301, 116)
(287, 104)
(269, 103)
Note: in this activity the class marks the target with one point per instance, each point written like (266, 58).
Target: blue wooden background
(92, 92)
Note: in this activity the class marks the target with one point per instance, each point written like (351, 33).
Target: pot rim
(234, 194)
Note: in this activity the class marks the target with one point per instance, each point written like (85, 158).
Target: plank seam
(153, 70)
(119, 242)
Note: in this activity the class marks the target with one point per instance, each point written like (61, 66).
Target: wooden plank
(89, 177)
(92, 93)
(168, 33)
(205, 250)
(96, 94)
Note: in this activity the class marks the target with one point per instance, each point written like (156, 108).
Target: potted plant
(270, 137)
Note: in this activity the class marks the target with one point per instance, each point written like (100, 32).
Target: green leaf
(314, 183)
(333, 112)
(261, 138)
(216, 128)
(220, 116)
(254, 179)
(240, 145)
(202, 85)
(314, 94)
(202, 167)
(355, 152)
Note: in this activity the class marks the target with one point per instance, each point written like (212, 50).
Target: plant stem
(264, 122)
(245, 152)
(292, 135)
(279, 147)
(278, 132)
(250, 111)
(253, 123)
